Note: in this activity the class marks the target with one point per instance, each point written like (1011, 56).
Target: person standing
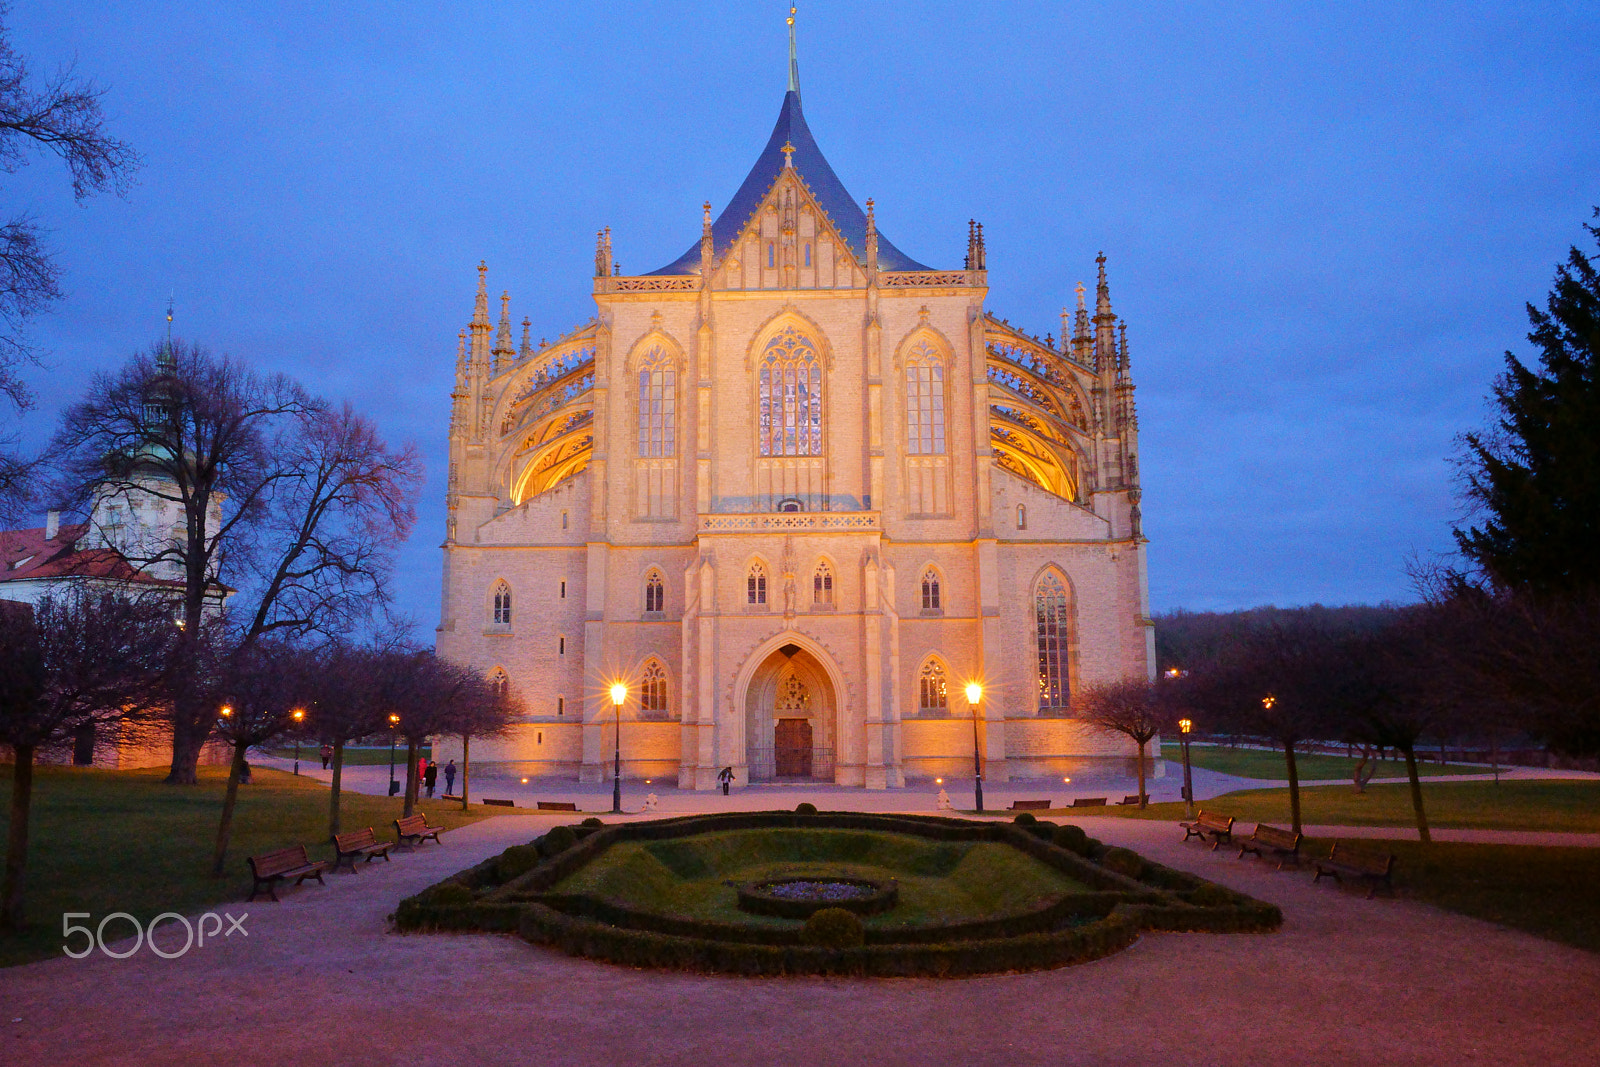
(450, 777)
(327, 754)
(422, 771)
(725, 776)
(430, 777)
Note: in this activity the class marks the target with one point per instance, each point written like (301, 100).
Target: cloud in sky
(1322, 222)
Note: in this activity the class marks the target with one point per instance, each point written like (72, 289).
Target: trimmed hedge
(493, 896)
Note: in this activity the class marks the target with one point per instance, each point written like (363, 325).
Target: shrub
(1044, 831)
(516, 860)
(1124, 862)
(805, 808)
(449, 895)
(1025, 819)
(591, 821)
(1072, 838)
(1210, 895)
(557, 841)
(833, 928)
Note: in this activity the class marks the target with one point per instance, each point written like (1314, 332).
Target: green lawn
(940, 882)
(1549, 892)
(1512, 805)
(104, 841)
(1259, 763)
(353, 757)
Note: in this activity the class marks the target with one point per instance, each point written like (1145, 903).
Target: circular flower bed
(798, 898)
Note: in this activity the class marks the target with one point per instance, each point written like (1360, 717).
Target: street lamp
(974, 697)
(299, 717)
(394, 786)
(1184, 726)
(619, 693)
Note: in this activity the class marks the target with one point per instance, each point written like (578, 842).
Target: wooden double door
(791, 743)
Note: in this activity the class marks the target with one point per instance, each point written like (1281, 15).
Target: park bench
(1089, 802)
(1134, 798)
(1285, 844)
(358, 843)
(557, 805)
(413, 830)
(279, 866)
(1363, 864)
(1218, 828)
(497, 803)
(1030, 805)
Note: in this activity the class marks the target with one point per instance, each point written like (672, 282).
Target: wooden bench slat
(1218, 828)
(1367, 864)
(413, 830)
(1089, 802)
(557, 805)
(270, 868)
(358, 843)
(1134, 798)
(1285, 844)
(1031, 805)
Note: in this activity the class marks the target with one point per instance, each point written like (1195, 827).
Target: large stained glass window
(924, 403)
(790, 414)
(933, 696)
(653, 691)
(657, 405)
(1052, 623)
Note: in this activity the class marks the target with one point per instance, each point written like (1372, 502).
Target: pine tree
(1534, 475)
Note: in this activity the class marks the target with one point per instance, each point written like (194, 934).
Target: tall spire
(794, 62)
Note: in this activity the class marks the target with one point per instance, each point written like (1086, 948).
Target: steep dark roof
(841, 207)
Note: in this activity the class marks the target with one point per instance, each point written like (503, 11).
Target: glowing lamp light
(974, 692)
(524, 781)
(1268, 701)
(1185, 725)
(299, 715)
(938, 781)
(227, 712)
(394, 720)
(619, 693)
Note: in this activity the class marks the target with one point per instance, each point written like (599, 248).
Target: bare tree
(433, 696)
(1131, 707)
(345, 694)
(61, 116)
(297, 505)
(75, 661)
(261, 688)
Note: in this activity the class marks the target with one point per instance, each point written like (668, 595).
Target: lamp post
(974, 698)
(1184, 726)
(619, 693)
(299, 717)
(394, 786)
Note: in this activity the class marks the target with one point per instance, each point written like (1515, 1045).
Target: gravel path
(320, 978)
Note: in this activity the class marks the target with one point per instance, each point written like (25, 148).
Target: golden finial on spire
(794, 63)
(788, 154)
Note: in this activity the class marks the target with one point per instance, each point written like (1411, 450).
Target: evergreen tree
(1534, 473)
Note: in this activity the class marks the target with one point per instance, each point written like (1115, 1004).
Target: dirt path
(320, 978)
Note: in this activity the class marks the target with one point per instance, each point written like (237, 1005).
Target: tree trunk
(17, 840)
(1141, 774)
(1416, 795)
(225, 828)
(1294, 787)
(188, 738)
(465, 763)
(1494, 756)
(411, 778)
(333, 793)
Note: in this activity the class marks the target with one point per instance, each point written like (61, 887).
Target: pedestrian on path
(327, 754)
(422, 769)
(725, 776)
(449, 777)
(431, 777)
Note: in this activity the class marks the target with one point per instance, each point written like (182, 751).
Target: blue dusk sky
(1322, 220)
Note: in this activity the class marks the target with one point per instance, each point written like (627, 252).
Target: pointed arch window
(924, 402)
(655, 592)
(1052, 625)
(790, 404)
(933, 694)
(932, 599)
(822, 586)
(755, 586)
(653, 691)
(502, 603)
(658, 398)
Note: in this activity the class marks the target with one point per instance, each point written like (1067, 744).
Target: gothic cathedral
(796, 490)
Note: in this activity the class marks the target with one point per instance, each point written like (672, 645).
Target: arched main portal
(791, 718)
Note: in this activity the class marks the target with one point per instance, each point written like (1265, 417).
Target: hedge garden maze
(803, 892)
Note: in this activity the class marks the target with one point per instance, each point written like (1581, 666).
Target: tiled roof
(29, 554)
(825, 185)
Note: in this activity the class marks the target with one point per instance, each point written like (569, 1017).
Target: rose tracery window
(790, 405)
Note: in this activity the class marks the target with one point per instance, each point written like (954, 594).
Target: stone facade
(796, 490)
